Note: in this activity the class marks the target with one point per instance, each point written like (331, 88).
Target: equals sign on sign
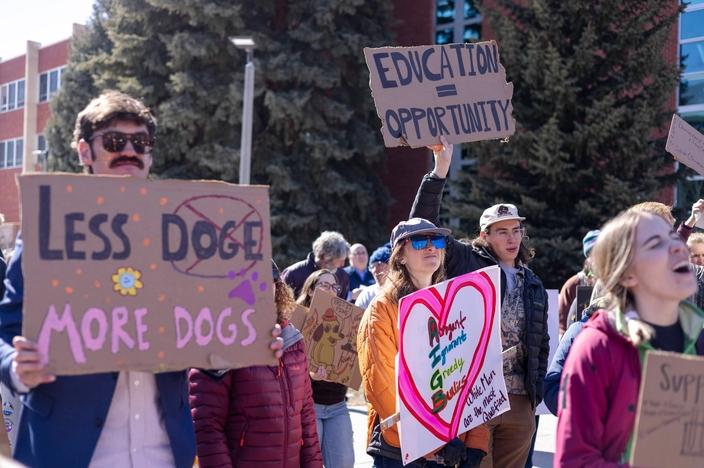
(446, 90)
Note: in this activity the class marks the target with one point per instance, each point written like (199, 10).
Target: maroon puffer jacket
(256, 416)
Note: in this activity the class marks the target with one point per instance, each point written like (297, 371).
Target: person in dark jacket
(524, 309)
(551, 384)
(644, 269)
(330, 250)
(76, 420)
(585, 277)
(82, 420)
(3, 268)
(259, 415)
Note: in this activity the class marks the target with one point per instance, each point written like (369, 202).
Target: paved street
(544, 443)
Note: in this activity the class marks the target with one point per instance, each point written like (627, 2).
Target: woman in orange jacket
(417, 257)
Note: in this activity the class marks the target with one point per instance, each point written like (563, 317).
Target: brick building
(27, 84)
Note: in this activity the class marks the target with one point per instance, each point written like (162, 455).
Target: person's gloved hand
(453, 453)
(473, 458)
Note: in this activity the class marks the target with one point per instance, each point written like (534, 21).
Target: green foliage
(89, 51)
(591, 84)
(316, 137)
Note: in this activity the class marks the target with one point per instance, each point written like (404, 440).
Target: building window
(457, 21)
(692, 55)
(49, 83)
(11, 153)
(691, 92)
(41, 143)
(12, 96)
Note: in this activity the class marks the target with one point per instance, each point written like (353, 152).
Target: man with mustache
(130, 419)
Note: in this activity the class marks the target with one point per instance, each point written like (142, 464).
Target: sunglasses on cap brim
(114, 142)
(421, 242)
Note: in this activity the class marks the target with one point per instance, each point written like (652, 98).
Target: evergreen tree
(591, 87)
(316, 135)
(321, 146)
(89, 51)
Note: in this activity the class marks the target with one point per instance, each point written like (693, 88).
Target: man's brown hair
(107, 108)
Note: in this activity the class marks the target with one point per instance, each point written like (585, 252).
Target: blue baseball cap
(381, 255)
(589, 241)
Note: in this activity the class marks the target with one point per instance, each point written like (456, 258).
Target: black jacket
(297, 274)
(463, 258)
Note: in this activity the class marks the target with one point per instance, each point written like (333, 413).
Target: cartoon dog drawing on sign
(325, 338)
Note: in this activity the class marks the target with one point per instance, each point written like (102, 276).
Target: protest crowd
(645, 290)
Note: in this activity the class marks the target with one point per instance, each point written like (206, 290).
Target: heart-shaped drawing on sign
(429, 306)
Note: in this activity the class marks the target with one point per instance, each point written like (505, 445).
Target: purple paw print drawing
(244, 289)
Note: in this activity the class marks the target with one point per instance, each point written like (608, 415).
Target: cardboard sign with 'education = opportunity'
(458, 91)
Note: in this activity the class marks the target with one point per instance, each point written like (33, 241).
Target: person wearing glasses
(417, 256)
(128, 418)
(379, 266)
(524, 309)
(330, 398)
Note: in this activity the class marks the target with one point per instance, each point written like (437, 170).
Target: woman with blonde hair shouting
(643, 265)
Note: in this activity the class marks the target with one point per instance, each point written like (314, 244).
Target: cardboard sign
(330, 333)
(123, 273)
(298, 316)
(686, 144)
(449, 370)
(554, 333)
(669, 428)
(456, 90)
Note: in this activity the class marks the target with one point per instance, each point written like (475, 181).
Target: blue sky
(44, 21)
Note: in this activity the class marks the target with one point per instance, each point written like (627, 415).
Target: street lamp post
(40, 159)
(247, 44)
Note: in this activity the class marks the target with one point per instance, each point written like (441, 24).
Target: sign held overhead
(686, 144)
(454, 90)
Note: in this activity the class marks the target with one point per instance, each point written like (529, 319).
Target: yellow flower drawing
(127, 281)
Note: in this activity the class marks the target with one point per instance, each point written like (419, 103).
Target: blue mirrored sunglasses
(423, 242)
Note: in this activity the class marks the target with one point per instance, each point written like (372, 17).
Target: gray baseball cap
(415, 226)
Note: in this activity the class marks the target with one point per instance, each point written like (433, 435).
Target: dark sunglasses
(423, 242)
(114, 142)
